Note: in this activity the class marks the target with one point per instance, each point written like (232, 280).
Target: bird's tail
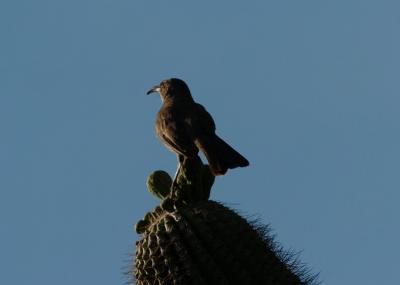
(220, 155)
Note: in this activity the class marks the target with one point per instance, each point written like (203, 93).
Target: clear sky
(309, 91)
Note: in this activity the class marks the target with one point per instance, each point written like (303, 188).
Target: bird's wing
(204, 120)
(172, 130)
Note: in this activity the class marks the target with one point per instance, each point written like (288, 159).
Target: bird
(185, 127)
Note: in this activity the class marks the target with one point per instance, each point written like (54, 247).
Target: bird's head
(172, 88)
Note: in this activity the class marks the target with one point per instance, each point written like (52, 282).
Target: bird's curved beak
(154, 89)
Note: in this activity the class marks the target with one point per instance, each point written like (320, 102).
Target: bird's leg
(175, 181)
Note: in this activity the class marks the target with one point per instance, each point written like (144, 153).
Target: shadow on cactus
(189, 239)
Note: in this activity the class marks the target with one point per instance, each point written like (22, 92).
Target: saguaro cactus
(189, 239)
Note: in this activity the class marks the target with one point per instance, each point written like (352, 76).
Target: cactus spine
(189, 239)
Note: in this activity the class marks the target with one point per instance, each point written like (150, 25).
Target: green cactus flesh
(189, 239)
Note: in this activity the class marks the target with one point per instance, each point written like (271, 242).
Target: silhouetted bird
(185, 126)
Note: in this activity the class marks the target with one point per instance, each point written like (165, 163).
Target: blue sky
(309, 91)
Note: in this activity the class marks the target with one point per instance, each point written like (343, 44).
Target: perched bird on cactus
(185, 126)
